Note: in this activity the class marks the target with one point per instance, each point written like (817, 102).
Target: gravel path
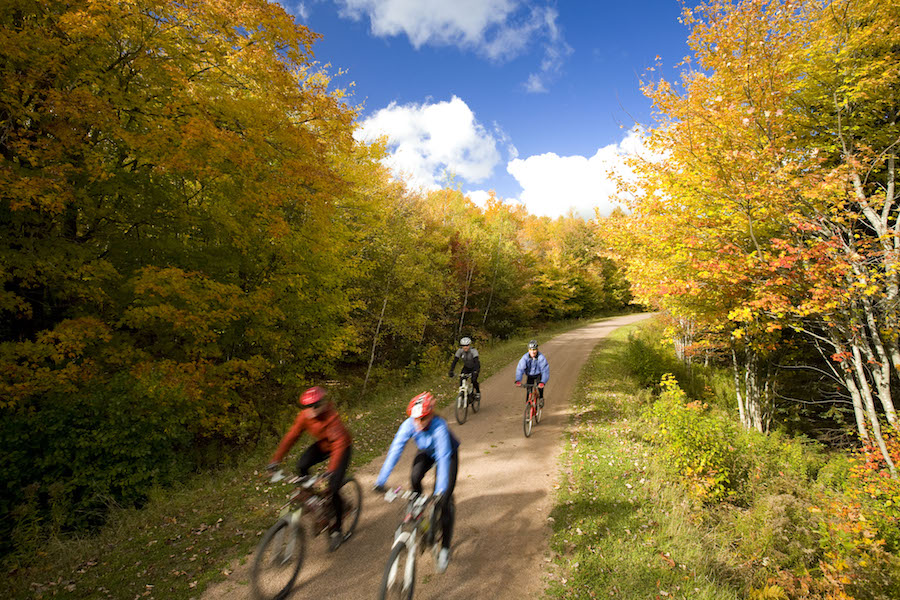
(504, 494)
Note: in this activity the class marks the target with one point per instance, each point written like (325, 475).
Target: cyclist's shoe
(478, 396)
(443, 560)
(335, 540)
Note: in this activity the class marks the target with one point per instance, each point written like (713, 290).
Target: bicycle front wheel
(528, 419)
(278, 560)
(462, 409)
(399, 575)
(351, 498)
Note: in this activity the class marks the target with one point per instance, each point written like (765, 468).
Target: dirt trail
(504, 495)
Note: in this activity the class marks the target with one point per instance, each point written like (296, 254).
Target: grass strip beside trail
(621, 530)
(187, 537)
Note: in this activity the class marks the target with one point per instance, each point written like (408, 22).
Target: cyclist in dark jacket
(534, 365)
(470, 363)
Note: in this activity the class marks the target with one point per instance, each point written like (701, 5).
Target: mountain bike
(279, 555)
(419, 530)
(462, 398)
(534, 406)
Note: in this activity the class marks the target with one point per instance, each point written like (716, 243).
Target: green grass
(621, 529)
(185, 538)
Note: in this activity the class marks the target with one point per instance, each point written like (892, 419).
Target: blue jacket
(437, 441)
(533, 367)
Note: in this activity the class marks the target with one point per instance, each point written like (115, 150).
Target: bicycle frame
(419, 511)
(465, 386)
(532, 408)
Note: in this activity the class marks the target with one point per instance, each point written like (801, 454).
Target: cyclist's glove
(272, 467)
(449, 373)
(519, 383)
(540, 385)
(379, 488)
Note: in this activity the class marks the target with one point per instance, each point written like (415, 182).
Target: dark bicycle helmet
(532, 344)
(465, 342)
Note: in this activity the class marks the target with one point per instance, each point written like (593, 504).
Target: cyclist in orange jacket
(320, 419)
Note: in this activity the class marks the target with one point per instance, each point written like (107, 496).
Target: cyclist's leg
(312, 456)
(337, 478)
(421, 463)
(447, 516)
(475, 382)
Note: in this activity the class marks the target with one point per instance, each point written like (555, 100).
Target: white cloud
(479, 197)
(497, 29)
(429, 141)
(299, 9)
(556, 51)
(552, 184)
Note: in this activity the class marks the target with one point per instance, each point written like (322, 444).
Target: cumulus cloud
(430, 141)
(479, 197)
(552, 184)
(497, 29)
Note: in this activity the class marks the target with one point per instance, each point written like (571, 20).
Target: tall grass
(649, 509)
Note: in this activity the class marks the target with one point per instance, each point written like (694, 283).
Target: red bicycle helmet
(312, 396)
(421, 406)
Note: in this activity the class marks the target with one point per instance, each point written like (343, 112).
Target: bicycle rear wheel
(527, 419)
(351, 497)
(399, 578)
(462, 409)
(278, 559)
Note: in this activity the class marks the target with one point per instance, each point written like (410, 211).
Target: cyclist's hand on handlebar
(519, 383)
(449, 373)
(272, 467)
(379, 488)
(540, 385)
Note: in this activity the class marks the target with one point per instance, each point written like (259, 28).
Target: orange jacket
(329, 431)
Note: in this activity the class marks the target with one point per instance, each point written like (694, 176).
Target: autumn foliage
(189, 233)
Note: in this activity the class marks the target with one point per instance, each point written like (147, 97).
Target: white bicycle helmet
(465, 342)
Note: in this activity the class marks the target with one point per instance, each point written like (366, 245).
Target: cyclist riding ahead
(436, 445)
(470, 363)
(320, 419)
(534, 365)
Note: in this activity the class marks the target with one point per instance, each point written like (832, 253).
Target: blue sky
(534, 99)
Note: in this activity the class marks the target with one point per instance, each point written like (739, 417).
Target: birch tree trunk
(375, 341)
(462, 314)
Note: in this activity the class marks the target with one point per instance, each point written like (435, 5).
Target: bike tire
(527, 420)
(462, 410)
(399, 580)
(351, 497)
(278, 559)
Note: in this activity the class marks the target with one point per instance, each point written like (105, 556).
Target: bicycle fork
(410, 540)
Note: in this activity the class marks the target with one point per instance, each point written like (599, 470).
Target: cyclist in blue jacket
(437, 445)
(534, 365)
